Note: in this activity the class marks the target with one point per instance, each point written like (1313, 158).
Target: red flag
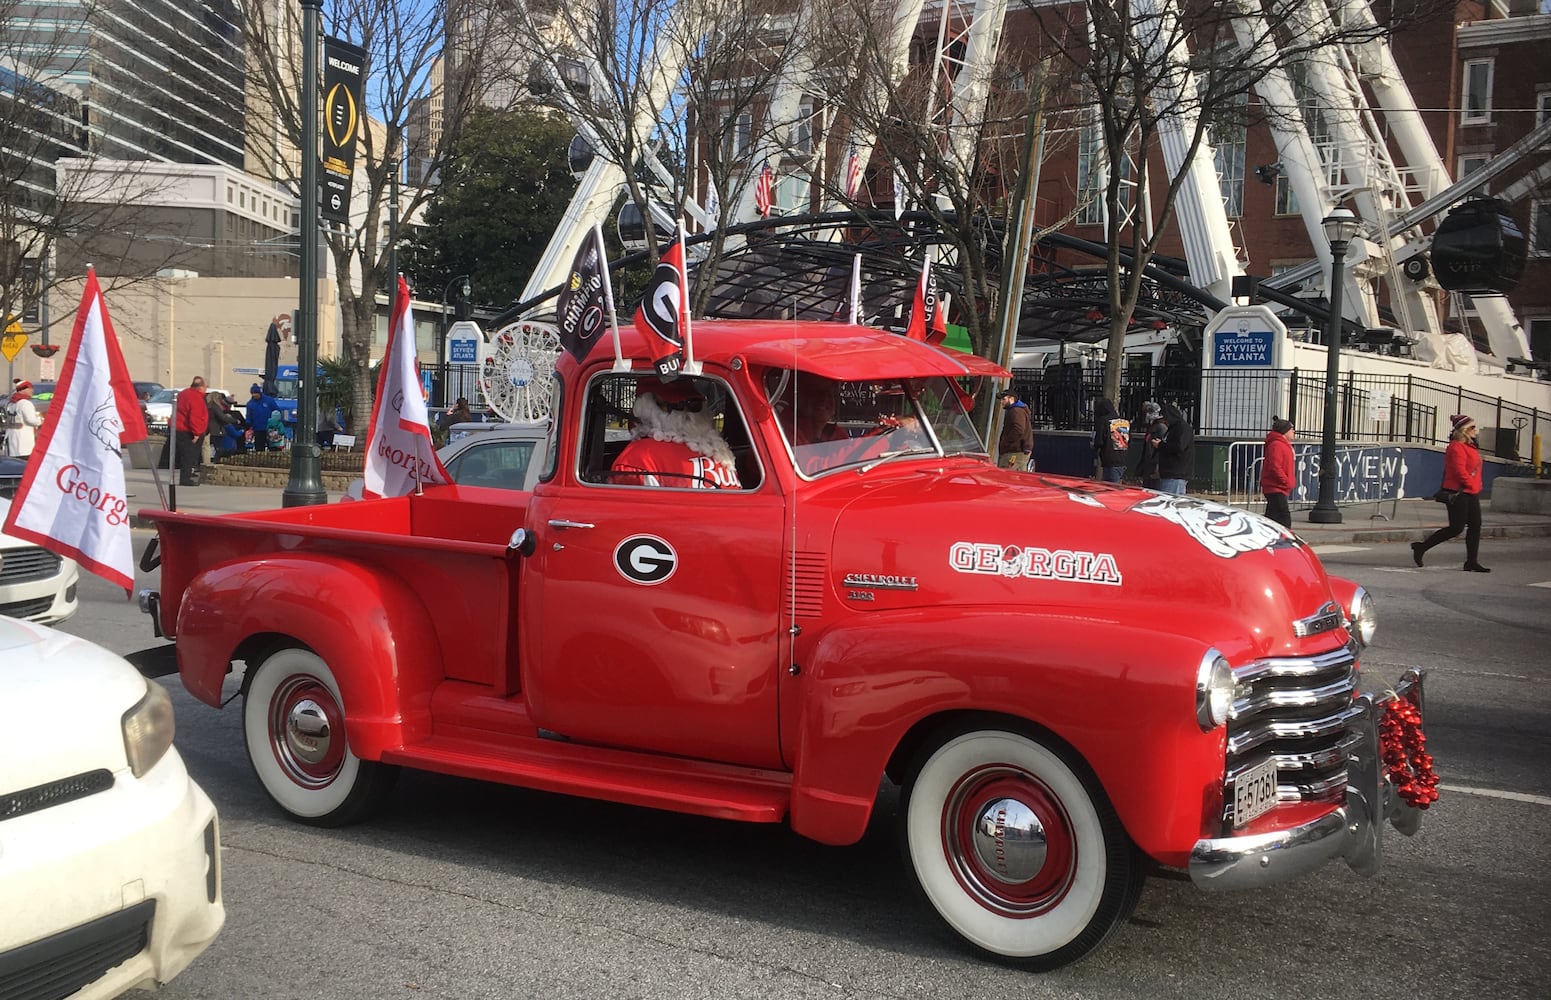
(72, 498)
(927, 321)
(764, 190)
(660, 317)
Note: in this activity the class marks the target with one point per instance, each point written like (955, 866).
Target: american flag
(853, 171)
(764, 188)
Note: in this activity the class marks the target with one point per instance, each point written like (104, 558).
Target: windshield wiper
(891, 455)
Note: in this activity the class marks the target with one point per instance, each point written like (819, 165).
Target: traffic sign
(12, 342)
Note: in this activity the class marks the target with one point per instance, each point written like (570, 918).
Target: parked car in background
(110, 874)
(42, 396)
(35, 584)
(145, 390)
(495, 456)
(158, 409)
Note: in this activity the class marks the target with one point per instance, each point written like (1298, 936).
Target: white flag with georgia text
(72, 498)
(399, 452)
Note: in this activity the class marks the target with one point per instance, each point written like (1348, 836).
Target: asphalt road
(468, 890)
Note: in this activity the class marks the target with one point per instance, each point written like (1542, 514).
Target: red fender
(368, 626)
(1122, 697)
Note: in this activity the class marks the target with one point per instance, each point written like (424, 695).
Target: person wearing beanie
(260, 405)
(1278, 471)
(1015, 445)
(21, 421)
(1154, 429)
(1461, 473)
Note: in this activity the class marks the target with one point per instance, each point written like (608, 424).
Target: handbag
(1445, 497)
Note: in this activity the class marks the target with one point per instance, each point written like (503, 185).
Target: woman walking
(1461, 472)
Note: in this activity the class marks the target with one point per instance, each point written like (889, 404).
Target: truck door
(649, 612)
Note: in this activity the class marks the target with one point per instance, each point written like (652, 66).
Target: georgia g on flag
(399, 453)
(660, 316)
(72, 498)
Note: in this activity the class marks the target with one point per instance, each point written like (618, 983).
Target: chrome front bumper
(1351, 832)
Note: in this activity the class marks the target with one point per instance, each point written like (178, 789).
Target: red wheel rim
(994, 856)
(307, 731)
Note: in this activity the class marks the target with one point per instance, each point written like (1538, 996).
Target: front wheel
(1017, 849)
(293, 720)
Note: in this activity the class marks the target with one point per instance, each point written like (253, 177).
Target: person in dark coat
(1111, 440)
(1015, 446)
(1154, 429)
(1176, 453)
(1278, 471)
(1462, 473)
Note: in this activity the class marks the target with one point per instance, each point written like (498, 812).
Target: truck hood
(977, 535)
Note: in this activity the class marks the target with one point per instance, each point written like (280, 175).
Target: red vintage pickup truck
(1070, 681)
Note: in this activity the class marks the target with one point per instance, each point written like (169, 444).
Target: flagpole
(620, 364)
(691, 366)
(856, 289)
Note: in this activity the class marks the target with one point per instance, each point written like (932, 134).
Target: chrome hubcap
(307, 732)
(1010, 841)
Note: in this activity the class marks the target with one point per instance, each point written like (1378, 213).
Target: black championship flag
(579, 312)
(344, 72)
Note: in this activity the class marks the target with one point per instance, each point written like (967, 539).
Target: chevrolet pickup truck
(1071, 682)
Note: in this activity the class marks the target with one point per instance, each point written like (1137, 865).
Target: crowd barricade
(1365, 474)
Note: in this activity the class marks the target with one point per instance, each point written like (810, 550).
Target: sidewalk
(1411, 521)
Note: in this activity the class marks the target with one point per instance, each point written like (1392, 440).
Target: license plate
(1254, 792)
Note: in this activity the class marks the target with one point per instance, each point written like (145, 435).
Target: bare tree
(58, 191)
(1154, 71)
(403, 42)
(662, 88)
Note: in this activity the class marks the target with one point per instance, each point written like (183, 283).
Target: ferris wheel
(517, 375)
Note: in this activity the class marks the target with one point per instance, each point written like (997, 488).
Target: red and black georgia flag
(579, 313)
(660, 317)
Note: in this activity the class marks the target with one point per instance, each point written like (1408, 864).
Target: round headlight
(1365, 616)
(1214, 690)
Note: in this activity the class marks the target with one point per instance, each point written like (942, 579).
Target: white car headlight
(148, 729)
(1365, 616)
(1214, 690)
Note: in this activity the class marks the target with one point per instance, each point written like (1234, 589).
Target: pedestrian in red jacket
(191, 419)
(1462, 473)
(1278, 473)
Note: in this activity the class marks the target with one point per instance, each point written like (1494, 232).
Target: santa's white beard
(697, 431)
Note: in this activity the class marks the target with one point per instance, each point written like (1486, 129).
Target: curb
(1377, 535)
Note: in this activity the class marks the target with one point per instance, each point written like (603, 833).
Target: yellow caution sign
(12, 343)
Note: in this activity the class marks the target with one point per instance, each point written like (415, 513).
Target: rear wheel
(1017, 848)
(293, 721)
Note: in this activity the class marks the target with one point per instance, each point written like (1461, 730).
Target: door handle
(562, 525)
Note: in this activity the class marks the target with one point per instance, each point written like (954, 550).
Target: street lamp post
(1340, 227)
(305, 486)
(441, 341)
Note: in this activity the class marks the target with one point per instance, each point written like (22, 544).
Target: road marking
(1322, 550)
(1546, 584)
(1492, 793)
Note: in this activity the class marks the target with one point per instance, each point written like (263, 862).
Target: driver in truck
(674, 441)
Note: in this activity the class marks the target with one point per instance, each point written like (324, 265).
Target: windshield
(286, 386)
(831, 425)
(164, 396)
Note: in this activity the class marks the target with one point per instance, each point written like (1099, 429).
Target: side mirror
(523, 543)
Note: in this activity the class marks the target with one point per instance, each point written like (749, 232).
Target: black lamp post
(464, 291)
(1340, 228)
(305, 486)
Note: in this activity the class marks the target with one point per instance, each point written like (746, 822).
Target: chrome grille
(1299, 711)
(25, 565)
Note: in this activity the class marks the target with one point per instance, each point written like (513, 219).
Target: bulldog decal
(1224, 531)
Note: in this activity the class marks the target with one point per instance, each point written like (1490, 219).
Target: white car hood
(62, 700)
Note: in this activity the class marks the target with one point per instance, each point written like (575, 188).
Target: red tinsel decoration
(1403, 748)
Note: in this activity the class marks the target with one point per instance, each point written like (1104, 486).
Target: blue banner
(1245, 349)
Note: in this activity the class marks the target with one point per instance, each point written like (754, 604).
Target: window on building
(1469, 163)
(1542, 108)
(802, 132)
(743, 134)
(1286, 201)
(1093, 177)
(1539, 330)
(1226, 132)
(231, 195)
(1540, 228)
(1316, 124)
(1476, 94)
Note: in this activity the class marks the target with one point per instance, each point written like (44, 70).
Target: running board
(720, 791)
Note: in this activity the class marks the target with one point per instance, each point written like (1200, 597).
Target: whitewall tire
(1016, 847)
(293, 720)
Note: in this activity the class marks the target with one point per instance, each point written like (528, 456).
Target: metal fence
(1240, 404)
(1364, 475)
